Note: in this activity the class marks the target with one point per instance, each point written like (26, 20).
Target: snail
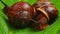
(38, 16)
(19, 14)
(46, 13)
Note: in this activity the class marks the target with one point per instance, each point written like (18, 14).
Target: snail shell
(20, 14)
(47, 13)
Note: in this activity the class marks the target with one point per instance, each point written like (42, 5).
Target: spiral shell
(47, 13)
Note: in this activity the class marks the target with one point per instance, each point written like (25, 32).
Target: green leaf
(3, 24)
(5, 28)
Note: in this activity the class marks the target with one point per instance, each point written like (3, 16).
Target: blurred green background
(5, 29)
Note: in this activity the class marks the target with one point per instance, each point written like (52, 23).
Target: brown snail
(39, 16)
(19, 14)
(46, 12)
